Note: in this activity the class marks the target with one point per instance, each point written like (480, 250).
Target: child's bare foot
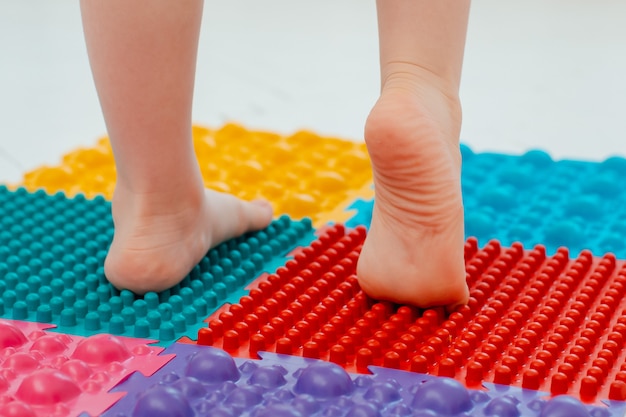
(159, 238)
(414, 250)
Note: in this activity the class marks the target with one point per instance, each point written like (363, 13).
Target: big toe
(235, 216)
(258, 213)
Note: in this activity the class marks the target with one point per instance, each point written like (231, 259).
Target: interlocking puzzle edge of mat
(45, 374)
(203, 380)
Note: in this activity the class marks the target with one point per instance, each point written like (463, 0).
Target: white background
(546, 74)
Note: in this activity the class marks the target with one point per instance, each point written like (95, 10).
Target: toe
(232, 217)
(258, 214)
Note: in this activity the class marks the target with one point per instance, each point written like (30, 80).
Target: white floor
(539, 74)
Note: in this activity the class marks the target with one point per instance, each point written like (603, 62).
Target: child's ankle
(412, 79)
(152, 202)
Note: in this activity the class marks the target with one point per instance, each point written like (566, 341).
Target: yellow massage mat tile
(303, 175)
(90, 171)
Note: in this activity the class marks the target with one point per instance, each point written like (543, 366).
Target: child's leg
(414, 251)
(143, 57)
